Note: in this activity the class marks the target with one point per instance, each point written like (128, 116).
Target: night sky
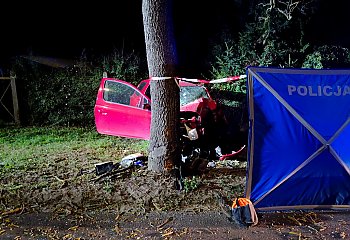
(60, 29)
(64, 30)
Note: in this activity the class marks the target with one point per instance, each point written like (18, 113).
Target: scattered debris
(104, 167)
(74, 228)
(232, 154)
(135, 158)
(294, 220)
(111, 170)
(342, 235)
(84, 171)
(12, 211)
(211, 164)
(229, 164)
(165, 222)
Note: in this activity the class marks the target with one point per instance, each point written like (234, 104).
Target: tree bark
(162, 60)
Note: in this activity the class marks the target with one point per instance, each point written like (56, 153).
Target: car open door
(122, 110)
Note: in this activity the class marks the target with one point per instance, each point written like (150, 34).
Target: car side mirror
(147, 106)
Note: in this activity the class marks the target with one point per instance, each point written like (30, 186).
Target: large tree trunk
(162, 61)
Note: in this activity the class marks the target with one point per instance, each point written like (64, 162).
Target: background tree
(274, 36)
(162, 61)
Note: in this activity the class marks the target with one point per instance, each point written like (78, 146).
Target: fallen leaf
(342, 235)
(117, 229)
(12, 225)
(294, 220)
(165, 222)
(67, 236)
(167, 234)
(73, 228)
(12, 211)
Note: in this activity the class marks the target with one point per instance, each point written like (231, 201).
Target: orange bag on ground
(243, 212)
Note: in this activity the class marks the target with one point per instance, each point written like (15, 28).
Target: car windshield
(189, 94)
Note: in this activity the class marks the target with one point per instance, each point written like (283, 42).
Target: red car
(122, 109)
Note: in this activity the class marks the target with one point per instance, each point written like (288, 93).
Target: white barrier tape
(177, 81)
(193, 80)
(160, 78)
(228, 79)
(221, 80)
(166, 78)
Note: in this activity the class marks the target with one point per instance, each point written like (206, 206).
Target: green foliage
(273, 38)
(266, 41)
(66, 96)
(58, 96)
(191, 184)
(313, 60)
(124, 66)
(328, 57)
(108, 186)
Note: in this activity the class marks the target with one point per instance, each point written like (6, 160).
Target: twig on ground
(166, 221)
(12, 211)
(58, 179)
(294, 220)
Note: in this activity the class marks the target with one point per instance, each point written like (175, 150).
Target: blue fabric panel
(281, 143)
(321, 182)
(341, 145)
(322, 100)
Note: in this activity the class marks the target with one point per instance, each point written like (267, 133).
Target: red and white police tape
(221, 80)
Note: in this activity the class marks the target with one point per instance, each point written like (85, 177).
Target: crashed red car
(123, 109)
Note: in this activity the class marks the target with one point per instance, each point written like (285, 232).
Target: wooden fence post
(15, 99)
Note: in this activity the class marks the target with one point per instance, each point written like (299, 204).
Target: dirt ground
(174, 225)
(68, 203)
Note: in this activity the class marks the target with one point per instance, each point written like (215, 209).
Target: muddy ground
(65, 202)
(175, 225)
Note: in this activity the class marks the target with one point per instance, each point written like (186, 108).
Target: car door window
(190, 94)
(142, 85)
(118, 92)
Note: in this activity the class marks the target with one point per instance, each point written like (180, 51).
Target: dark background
(66, 30)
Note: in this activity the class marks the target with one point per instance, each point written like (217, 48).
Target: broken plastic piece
(218, 151)
(131, 159)
(223, 157)
(104, 167)
(211, 165)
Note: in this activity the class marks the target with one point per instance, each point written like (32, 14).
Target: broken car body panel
(122, 109)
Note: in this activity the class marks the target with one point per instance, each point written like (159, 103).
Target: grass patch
(32, 147)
